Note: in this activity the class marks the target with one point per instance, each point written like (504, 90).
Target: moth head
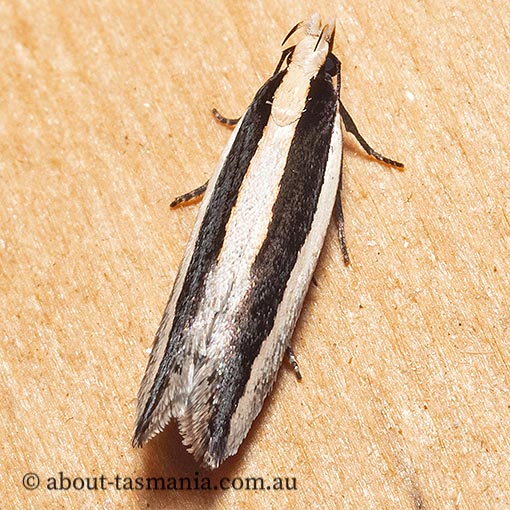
(315, 29)
(316, 43)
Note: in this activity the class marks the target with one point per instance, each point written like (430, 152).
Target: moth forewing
(180, 345)
(175, 391)
(266, 365)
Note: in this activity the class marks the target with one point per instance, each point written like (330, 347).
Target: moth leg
(293, 362)
(351, 127)
(341, 228)
(189, 196)
(232, 122)
(224, 120)
(201, 189)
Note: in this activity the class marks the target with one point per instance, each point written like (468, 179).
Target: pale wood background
(105, 116)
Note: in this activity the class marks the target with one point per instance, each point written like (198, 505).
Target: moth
(251, 256)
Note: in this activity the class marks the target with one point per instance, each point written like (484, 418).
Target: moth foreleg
(351, 127)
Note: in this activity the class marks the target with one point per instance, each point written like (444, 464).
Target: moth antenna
(332, 39)
(292, 31)
(320, 37)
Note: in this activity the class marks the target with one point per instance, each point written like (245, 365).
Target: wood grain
(105, 117)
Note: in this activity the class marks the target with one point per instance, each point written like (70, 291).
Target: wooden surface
(105, 116)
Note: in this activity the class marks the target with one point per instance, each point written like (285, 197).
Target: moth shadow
(172, 477)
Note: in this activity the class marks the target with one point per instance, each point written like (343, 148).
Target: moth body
(250, 257)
